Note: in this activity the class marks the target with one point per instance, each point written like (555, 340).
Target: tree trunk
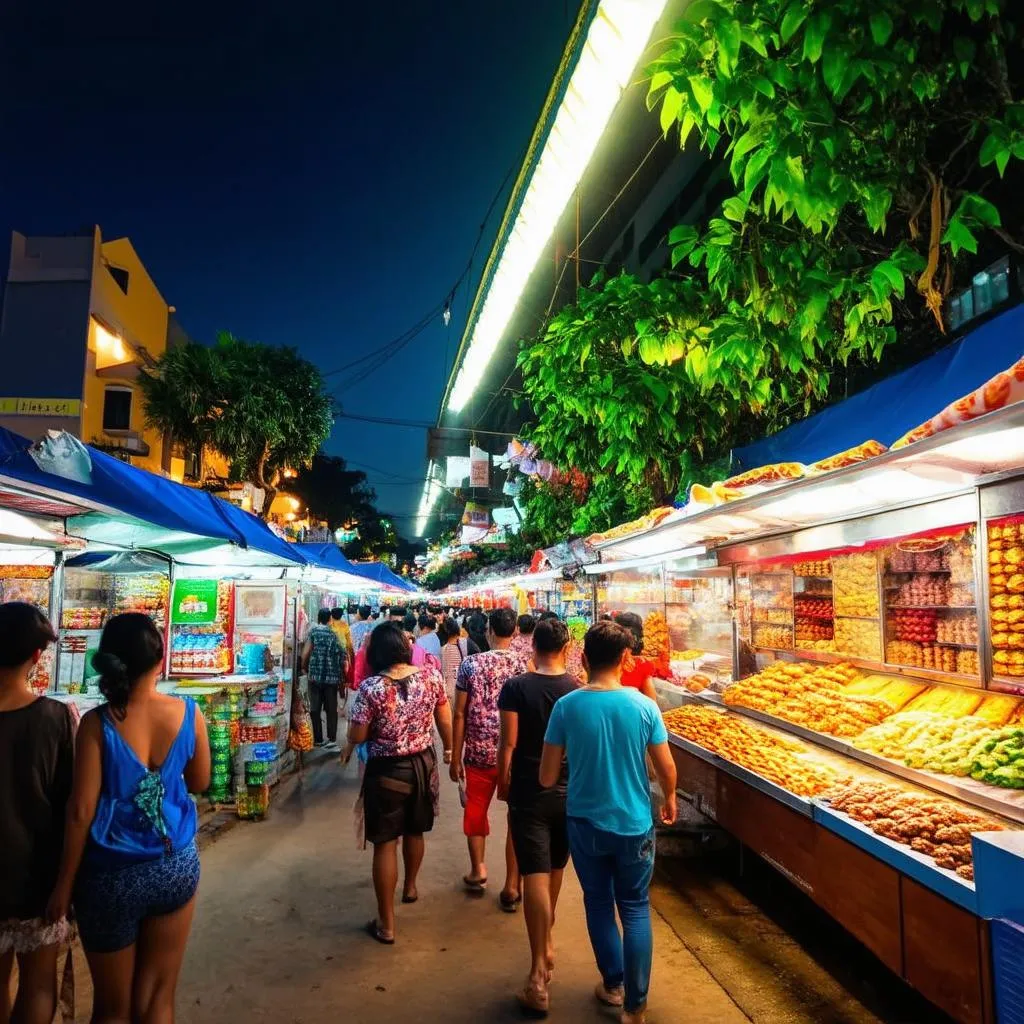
(261, 481)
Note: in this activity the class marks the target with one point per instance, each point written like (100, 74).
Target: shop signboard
(259, 604)
(194, 602)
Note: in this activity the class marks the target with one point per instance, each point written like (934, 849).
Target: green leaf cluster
(262, 408)
(870, 146)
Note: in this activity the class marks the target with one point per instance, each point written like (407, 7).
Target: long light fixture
(613, 48)
(431, 492)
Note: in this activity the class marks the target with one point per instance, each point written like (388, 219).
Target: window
(120, 276)
(117, 409)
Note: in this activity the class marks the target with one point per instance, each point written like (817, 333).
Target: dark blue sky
(313, 176)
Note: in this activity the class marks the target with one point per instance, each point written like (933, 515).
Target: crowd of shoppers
(568, 752)
(104, 822)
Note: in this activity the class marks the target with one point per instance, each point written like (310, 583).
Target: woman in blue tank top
(130, 863)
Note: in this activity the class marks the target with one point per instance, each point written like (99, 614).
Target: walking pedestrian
(395, 712)
(362, 627)
(427, 637)
(522, 642)
(476, 630)
(36, 756)
(324, 664)
(536, 816)
(344, 635)
(130, 860)
(455, 648)
(606, 731)
(475, 757)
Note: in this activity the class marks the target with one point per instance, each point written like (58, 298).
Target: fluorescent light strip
(431, 492)
(615, 43)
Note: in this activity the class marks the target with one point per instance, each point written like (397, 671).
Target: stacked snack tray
(143, 592)
(818, 568)
(855, 585)
(772, 608)
(28, 583)
(930, 615)
(200, 648)
(1006, 596)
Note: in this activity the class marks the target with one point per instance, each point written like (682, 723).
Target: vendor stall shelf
(201, 613)
(32, 584)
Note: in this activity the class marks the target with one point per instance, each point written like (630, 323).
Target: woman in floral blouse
(395, 711)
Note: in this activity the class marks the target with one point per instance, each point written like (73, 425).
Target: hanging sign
(479, 467)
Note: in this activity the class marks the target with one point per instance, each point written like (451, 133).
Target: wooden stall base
(944, 952)
(937, 947)
(862, 894)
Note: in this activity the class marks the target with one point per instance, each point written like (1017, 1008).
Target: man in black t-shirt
(536, 816)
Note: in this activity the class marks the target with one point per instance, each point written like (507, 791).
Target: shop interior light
(614, 45)
(109, 345)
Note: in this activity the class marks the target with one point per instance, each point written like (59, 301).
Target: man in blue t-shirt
(606, 731)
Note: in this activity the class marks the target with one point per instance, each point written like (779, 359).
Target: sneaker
(332, 747)
(320, 743)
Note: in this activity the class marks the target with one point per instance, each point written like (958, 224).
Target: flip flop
(373, 930)
(533, 1003)
(510, 906)
(474, 884)
(409, 899)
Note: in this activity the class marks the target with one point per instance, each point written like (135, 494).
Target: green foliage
(262, 408)
(841, 120)
(866, 141)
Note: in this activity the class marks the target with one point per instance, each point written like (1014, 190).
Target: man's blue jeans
(615, 871)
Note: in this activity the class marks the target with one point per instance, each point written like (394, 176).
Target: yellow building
(80, 318)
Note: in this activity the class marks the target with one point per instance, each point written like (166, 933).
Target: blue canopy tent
(380, 573)
(329, 557)
(887, 410)
(134, 509)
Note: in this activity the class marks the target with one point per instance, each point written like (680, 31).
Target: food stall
(873, 740)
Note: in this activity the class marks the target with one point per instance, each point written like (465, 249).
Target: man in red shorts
(475, 755)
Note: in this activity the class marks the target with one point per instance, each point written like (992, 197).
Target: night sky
(314, 176)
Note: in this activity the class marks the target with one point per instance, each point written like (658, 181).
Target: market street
(278, 937)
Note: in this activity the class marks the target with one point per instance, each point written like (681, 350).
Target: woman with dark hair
(394, 713)
(455, 648)
(637, 671)
(130, 859)
(36, 754)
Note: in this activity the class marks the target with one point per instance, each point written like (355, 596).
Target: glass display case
(699, 614)
(93, 592)
(639, 590)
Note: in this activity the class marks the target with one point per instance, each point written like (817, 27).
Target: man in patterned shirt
(475, 756)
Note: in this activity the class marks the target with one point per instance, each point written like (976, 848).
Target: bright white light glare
(645, 561)
(893, 486)
(14, 526)
(614, 45)
(431, 492)
(992, 450)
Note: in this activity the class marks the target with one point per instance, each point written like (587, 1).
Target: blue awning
(380, 573)
(887, 410)
(128, 502)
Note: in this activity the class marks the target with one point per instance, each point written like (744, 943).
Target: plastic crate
(1008, 971)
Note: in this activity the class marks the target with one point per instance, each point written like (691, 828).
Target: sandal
(409, 899)
(474, 884)
(373, 930)
(533, 1002)
(613, 997)
(509, 904)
